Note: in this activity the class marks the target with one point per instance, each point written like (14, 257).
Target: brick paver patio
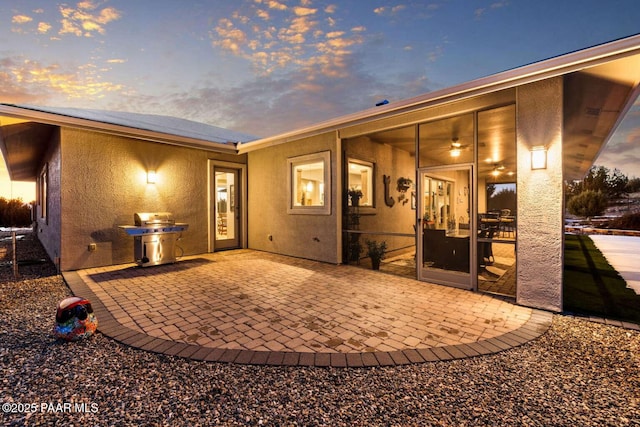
(253, 307)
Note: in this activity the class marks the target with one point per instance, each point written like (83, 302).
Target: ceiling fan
(456, 147)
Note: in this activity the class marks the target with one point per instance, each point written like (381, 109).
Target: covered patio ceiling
(23, 144)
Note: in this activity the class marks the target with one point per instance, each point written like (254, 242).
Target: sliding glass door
(445, 243)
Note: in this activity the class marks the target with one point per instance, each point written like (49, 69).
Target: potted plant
(355, 248)
(403, 184)
(354, 195)
(376, 251)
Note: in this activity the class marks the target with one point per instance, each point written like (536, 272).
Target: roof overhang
(21, 146)
(25, 133)
(596, 100)
(603, 78)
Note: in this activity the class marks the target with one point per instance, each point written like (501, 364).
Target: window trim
(292, 163)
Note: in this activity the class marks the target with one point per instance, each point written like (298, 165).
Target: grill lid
(141, 219)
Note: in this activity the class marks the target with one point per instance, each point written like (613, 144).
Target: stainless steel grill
(154, 237)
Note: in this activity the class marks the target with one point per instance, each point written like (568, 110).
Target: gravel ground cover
(578, 373)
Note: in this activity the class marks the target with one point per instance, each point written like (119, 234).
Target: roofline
(537, 71)
(113, 129)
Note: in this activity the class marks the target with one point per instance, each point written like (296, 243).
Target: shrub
(14, 213)
(588, 203)
(626, 222)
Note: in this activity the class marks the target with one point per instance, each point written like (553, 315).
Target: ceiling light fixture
(455, 150)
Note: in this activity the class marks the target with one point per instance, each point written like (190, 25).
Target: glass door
(445, 239)
(226, 208)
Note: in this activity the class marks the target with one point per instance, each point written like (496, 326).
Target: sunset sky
(265, 67)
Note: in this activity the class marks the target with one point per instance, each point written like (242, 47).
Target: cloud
(263, 14)
(231, 38)
(21, 19)
(81, 21)
(300, 37)
(265, 102)
(389, 11)
(623, 150)
(43, 27)
(304, 11)
(27, 80)
(330, 8)
(480, 12)
(276, 5)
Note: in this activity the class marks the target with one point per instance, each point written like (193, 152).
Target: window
(309, 184)
(361, 179)
(43, 193)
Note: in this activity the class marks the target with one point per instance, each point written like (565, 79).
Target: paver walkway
(253, 307)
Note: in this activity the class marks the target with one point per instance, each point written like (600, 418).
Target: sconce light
(538, 157)
(151, 177)
(309, 187)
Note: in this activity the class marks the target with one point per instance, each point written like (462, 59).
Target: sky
(268, 66)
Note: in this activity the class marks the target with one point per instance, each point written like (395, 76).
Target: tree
(491, 188)
(613, 184)
(633, 186)
(14, 213)
(587, 204)
(616, 184)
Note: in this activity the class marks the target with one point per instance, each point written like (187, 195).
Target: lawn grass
(592, 286)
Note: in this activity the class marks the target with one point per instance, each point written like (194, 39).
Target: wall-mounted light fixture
(538, 157)
(151, 177)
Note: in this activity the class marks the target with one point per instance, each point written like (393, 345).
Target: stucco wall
(104, 184)
(49, 228)
(399, 218)
(305, 236)
(540, 196)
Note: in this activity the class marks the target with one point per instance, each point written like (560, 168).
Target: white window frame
(292, 163)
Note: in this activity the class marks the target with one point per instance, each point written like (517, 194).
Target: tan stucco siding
(540, 196)
(104, 184)
(49, 227)
(305, 236)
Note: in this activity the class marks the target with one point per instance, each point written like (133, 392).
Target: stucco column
(540, 196)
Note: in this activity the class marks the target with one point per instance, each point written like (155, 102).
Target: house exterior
(322, 191)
